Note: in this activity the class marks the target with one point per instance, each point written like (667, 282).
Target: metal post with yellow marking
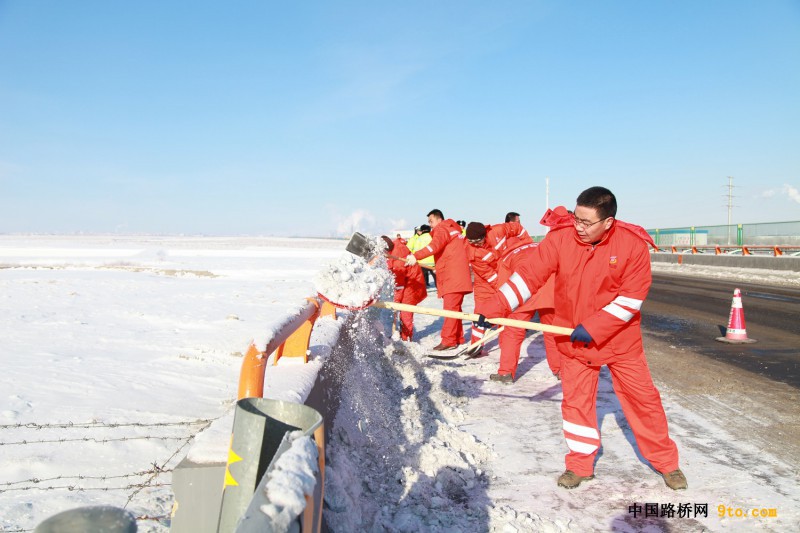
(259, 426)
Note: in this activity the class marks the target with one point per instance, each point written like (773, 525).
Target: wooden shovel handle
(403, 259)
(558, 330)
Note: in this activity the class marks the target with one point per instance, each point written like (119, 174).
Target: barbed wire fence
(132, 483)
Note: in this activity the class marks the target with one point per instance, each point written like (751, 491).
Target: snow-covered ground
(117, 351)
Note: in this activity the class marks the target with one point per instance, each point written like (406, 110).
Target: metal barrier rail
(775, 251)
(290, 341)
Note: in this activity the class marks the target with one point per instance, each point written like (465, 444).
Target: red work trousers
(546, 316)
(641, 404)
(476, 334)
(511, 341)
(452, 329)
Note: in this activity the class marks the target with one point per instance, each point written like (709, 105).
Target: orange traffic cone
(736, 332)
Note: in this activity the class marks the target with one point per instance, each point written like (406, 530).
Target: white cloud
(791, 192)
(359, 220)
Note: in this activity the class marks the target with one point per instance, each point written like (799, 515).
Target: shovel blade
(360, 245)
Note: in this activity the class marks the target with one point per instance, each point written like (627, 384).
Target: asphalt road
(691, 313)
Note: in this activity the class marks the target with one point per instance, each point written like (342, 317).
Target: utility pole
(546, 193)
(546, 197)
(730, 207)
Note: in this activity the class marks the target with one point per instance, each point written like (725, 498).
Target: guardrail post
(251, 377)
(296, 346)
(259, 426)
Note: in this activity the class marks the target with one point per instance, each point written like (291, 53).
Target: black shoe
(502, 378)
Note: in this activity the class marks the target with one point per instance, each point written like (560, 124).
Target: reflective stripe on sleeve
(486, 257)
(499, 244)
(618, 312)
(511, 298)
(429, 248)
(519, 283)
(633, 303)
(492, 278)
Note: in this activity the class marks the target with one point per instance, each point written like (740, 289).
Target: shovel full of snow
(353, 283)
(361, 246)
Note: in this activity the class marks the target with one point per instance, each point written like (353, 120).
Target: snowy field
(118, 351)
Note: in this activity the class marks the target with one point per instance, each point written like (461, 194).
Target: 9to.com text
(738, 512)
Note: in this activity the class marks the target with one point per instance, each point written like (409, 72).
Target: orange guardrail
(774, 250)
(290, 341)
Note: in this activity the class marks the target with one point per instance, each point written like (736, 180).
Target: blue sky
(317, 118)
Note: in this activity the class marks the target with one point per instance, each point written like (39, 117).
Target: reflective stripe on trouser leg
(511, 342)
(476, 334)
(452, 329)
(644, 411)
(579, 413)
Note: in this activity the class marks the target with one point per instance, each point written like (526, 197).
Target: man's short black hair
(437, 213)
(601, 199)
(511, 216)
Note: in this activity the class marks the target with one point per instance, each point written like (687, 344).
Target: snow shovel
(491, 334)
(361, 246)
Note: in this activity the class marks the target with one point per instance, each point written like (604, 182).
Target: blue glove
(581, 335)
(482, 323)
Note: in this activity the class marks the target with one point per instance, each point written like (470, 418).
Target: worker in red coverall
(552, 218)
(542, 303)
(602, 276)
(511, 338)
(453, 279)
(486, 245)
(409, 283)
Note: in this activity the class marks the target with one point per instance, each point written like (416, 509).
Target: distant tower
(730, 207)
(546, 198)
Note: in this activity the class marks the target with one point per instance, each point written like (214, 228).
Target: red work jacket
(449, 251)
(409, 282)
(601, 286)
(500, 239)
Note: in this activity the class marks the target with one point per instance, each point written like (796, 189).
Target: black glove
(581, 335)
(482, 323)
